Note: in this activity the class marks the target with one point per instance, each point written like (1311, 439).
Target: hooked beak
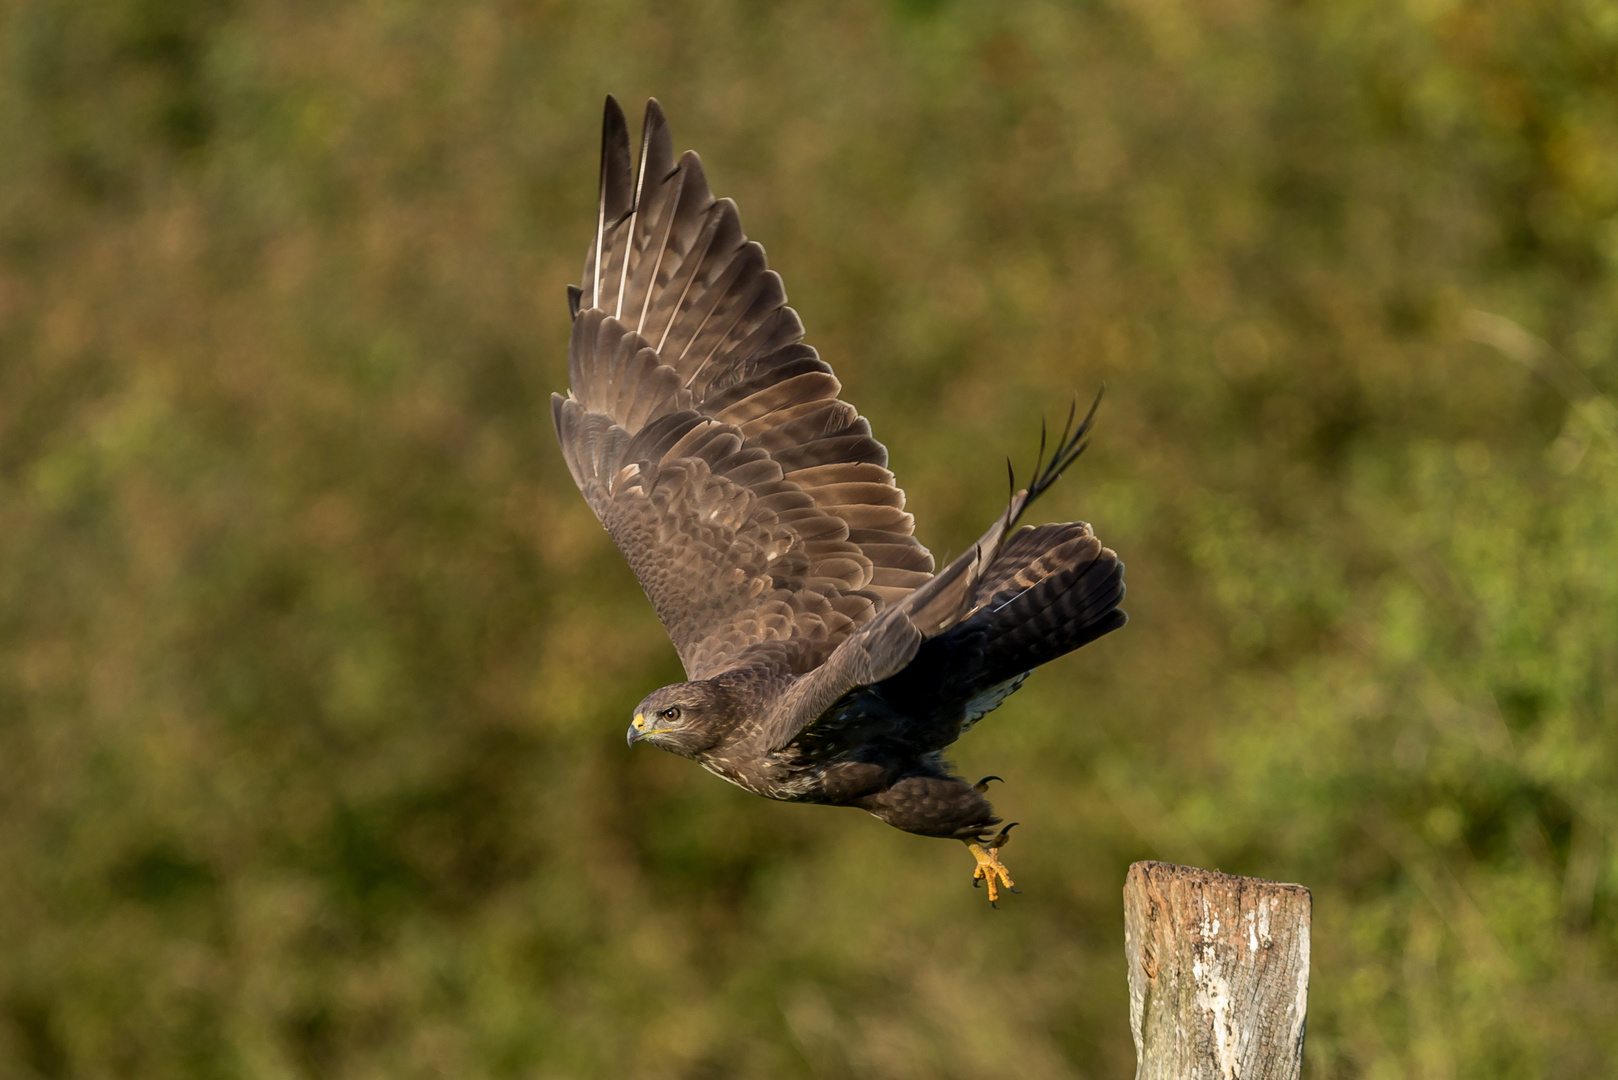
(639, 731)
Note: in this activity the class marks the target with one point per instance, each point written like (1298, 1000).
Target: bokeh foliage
(314, 668)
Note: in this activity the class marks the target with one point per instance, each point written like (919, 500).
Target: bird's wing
(753, 504)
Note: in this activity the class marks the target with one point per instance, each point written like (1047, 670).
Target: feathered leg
(933, 805)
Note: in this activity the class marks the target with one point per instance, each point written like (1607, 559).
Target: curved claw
(989, 868)
(983, 785)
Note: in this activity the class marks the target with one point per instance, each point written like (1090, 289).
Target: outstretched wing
(753, 504)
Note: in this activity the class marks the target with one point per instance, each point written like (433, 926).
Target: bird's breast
(726, 770)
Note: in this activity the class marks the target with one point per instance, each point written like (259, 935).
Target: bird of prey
(827, 661)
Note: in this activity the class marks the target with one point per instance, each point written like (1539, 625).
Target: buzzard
(828, 662)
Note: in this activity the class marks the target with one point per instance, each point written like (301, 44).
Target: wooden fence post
(1218, 974)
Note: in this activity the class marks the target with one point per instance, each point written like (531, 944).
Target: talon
(983, 785)
(990, 870)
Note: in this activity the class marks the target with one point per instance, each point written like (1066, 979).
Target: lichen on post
(1218, 974)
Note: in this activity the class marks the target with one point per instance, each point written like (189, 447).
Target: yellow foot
(990, 869)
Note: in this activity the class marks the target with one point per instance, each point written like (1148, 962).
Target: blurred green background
(314, 668)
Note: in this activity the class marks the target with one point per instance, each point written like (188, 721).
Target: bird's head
(683, 718)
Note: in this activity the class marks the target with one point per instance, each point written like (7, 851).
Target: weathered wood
(1218, 974)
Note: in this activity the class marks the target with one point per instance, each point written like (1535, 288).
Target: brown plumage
(827, 661)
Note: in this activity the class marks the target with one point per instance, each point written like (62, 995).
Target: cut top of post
(1218, 974)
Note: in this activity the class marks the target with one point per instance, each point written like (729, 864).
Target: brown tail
(1053, 589)
(1050, 590)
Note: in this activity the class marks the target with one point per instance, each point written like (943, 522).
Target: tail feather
(1050, 590)
(1053, 589)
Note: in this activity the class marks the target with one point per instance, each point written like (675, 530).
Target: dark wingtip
(1068, 448)
(615, 197)
(574, 296)
(656, 147)
(615, 166)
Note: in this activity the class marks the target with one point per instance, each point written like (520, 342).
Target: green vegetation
(314, 668)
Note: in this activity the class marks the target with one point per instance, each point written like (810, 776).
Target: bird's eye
(670, 714)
